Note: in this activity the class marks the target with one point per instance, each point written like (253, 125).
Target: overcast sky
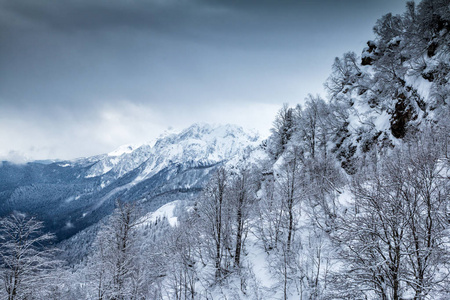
(81, 77)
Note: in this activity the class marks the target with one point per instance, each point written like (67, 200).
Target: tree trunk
(239, 223)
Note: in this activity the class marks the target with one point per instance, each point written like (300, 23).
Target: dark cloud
(92, 15)
(65, 66)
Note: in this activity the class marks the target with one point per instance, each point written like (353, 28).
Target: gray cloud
(72, 15)
(66, 65)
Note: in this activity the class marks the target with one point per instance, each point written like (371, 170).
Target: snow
(112, 193)
(443, 168)
(69, 225)
(382, 122)
(149, 170)
(199, 144)
(123, 150)
(258, 259)
(120, 165)
(345, 198)
(394, 40)
(70, 199)
(422, 86)
(165, 211)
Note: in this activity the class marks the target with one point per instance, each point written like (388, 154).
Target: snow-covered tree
(182, 249)
(394, 238)
(242, 197)
(282, 130)
(215, 214)
(115, 259)
(26, 257)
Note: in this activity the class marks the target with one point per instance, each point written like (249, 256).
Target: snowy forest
(347, 199)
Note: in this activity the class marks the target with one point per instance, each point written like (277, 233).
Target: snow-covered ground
(165, 211)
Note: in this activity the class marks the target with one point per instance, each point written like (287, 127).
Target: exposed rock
(403, 113)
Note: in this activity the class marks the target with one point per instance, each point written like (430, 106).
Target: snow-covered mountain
(71, 195)
(200, 144)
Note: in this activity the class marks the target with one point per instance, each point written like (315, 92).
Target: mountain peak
(210, 133)
(124, 149)
(201, 143)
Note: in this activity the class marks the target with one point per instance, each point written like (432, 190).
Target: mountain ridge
(71, 195)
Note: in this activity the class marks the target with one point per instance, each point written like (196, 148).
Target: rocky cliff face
(398, 84)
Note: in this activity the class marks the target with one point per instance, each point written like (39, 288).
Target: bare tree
(25, 255)
(242, 196)
(268, 227)
(115, 259)
(182, 247)
(215, 212)
(290, 185)
(394, 238)
(289, 191)
(425, 192)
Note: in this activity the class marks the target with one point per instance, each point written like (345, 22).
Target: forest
(347, 199)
